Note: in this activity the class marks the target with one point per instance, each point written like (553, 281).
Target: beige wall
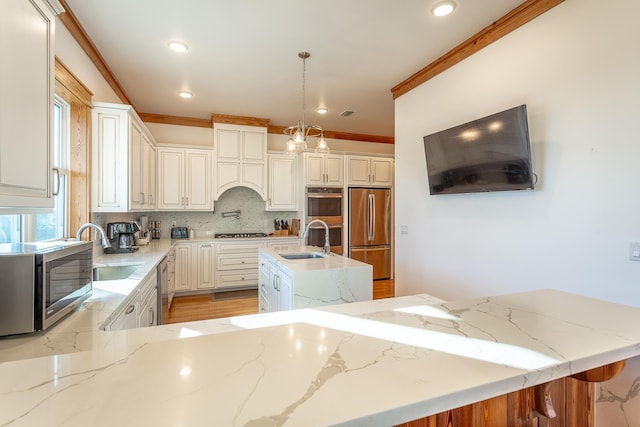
(72, 55)
(576, 67)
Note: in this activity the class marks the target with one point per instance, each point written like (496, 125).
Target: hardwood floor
(236, 303)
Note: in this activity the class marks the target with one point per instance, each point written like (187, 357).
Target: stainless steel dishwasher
(166, 270)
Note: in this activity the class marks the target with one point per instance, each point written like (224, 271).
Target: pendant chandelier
(299, 133)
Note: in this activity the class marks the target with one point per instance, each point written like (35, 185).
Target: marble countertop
(333, 261)
(374, 363)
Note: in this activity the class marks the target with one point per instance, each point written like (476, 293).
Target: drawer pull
(130, 309)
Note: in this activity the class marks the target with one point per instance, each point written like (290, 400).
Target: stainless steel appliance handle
(373, 216)
(369, 214)
(324, 195)
(320, 227)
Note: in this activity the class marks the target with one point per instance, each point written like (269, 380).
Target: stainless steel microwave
(42, 282)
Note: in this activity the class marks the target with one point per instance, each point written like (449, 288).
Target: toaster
(179, 233)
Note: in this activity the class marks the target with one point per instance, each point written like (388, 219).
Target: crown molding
(80, 35)
(519, 16)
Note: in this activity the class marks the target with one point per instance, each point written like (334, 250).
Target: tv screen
(488, 154)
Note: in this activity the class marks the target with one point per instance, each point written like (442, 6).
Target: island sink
(303, 255)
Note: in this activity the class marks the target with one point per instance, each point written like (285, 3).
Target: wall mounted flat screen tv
(487, 154)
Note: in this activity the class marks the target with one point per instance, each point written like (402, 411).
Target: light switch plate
(404, 229)
(634, 251)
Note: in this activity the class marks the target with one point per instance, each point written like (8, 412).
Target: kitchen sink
(114, 272)
(303, 255)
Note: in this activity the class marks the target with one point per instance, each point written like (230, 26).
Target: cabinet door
(382, 171)
(358, 167)
(26, 112)
(183, 273)
(148, 311)
(136, 194)
(198, 180)
(149, 174)
(171, 179)
(110, 160)
(334, 169)
(127, 318)
(282, 183)
(263, 283)
(254, 143)
(313, 169)
(227, 144)
(285, 291)
(205, 278)
(272, 287)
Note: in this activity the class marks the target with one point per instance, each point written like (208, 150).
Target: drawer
(237, 248)
(236, 262)
(149, 283)
(236, 279)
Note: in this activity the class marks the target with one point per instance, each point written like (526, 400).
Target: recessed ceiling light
(177, 46)
(322, 110)
(185, 94)
(443, 8)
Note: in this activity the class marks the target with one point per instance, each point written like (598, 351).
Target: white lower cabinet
(184, 270)
(237, 264)
(127, 318)
(149, 309)
(275, 287)
(205, 266)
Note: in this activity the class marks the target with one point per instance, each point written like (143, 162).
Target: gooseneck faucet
(103, 235)
(327, 248)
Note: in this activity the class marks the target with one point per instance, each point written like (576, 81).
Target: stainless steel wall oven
(325, 204)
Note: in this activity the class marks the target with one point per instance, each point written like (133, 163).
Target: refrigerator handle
(370, 218)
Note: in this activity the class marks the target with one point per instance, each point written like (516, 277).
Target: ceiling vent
(346, 113)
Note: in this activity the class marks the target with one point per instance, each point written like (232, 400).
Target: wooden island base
(565, 402)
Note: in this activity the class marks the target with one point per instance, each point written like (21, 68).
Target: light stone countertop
(81, 329)
(330, 262)
(375, 363)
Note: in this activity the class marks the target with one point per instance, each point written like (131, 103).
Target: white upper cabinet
(27, 78)
(282, 183)
(323, 169)
(184, 179)
(365, 171)
(241, 155)
(123, 160)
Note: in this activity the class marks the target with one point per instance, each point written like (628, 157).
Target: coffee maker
(122, 236)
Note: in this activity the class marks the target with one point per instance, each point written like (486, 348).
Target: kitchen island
(375, 363)
(304, 277)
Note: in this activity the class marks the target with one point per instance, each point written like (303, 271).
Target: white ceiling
(243, 54)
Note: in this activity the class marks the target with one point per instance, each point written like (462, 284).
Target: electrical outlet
(404, 229)
(173, 223)
(634, 251)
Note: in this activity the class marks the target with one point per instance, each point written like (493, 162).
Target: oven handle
(321, 227)
(324, 196)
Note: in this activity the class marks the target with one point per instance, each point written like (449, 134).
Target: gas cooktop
(237, 235)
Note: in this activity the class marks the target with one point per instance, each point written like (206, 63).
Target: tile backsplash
(253, 217)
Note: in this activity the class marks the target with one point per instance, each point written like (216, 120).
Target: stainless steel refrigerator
(370, 229)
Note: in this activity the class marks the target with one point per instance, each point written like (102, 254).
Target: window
(53, 225)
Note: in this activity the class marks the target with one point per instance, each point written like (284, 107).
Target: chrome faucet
(103, 235)
(327, 248)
